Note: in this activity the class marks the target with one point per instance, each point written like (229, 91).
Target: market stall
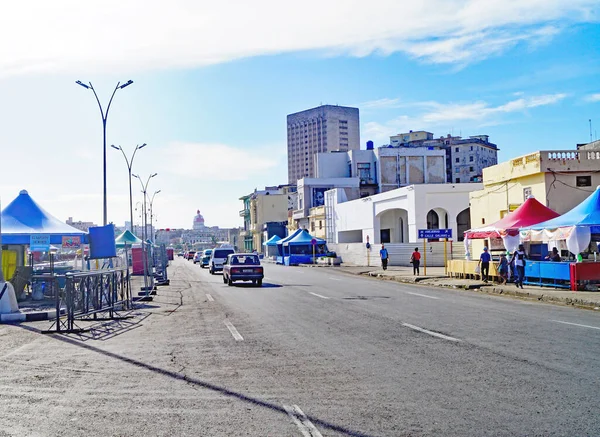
(300, 249)
(271, 246)
(280, 248)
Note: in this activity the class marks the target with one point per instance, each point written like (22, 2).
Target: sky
(214, 81)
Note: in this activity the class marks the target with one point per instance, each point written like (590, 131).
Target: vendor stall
(280, 247)
(271, 246)
(300, 249)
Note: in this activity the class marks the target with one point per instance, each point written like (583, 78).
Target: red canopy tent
(531, 212)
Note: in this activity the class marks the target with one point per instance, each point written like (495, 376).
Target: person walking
(383, 253)
(415, 260)
(503, 269)
(519, 258)
(484, 262)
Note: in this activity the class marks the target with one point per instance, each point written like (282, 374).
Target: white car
(217, 258)
(197, 257)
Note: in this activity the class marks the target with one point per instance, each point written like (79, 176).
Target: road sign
(313, 241)
(39, 243)
(435, 233)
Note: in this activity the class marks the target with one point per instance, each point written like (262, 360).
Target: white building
(323, 129)
(396, 216)
(311, 194)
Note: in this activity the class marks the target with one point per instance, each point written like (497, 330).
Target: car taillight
(258, 270)
(235, 270)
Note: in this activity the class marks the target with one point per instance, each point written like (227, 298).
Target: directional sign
(435, 233)
(39, 243)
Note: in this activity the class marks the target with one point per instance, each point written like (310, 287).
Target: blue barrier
(548, 273)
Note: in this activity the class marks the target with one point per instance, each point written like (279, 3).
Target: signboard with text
(39, 243)
(435, 233)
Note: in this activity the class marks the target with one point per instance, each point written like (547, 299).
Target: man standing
(383, 253)
(484, 261)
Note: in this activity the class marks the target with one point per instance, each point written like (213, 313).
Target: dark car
(190, 255)
(243, 267)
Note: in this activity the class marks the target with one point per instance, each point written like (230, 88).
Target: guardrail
(97, 295)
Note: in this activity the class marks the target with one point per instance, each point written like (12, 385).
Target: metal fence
(97, 295)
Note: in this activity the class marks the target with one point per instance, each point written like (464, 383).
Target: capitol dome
(198, 221)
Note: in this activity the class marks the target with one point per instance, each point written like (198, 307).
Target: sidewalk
(436, 278)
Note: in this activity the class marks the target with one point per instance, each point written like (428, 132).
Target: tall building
(327, 128)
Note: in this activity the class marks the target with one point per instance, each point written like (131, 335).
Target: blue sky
(213, 85)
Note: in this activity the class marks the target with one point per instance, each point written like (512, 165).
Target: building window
(470, 168)
(457, 160)
(583, 181)
(456, 150)
(320, 224)
(457, 170)
(364, 171)
(526, 193)
(312, 226)
(470, 158)
(471, 147)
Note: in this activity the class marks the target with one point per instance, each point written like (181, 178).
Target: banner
(71, 242)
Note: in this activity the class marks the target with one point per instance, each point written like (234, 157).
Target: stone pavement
(436, 278)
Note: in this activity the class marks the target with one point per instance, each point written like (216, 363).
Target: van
(217, 258)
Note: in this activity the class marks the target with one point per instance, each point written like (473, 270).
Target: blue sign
(435, 233)
(39, 243)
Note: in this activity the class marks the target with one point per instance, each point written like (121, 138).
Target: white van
(217, 258)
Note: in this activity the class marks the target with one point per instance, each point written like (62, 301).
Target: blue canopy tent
(23, 217)
(271, 245)
(127, 239)
(299, 248)
(575, 226)
(280, 249)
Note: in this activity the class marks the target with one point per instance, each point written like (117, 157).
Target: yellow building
(559, 179)
(316, 221)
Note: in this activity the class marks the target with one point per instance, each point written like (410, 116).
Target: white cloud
(434, 114)
(384, 103)
(138, 35)
(593, 98)
(219, 162)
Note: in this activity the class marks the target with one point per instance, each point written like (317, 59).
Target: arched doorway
(393, 226)
(437, 218)
(463, 223)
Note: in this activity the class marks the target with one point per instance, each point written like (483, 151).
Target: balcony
(244, 213)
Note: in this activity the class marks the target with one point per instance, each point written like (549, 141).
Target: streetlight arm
(99, 104)
(111, 99)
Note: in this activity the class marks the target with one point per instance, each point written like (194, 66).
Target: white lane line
(210, 298)
(335, 279)
(304, 425)
(318, 295)
(435, 334)
(233, 331)
(576, 324)
(422, 295)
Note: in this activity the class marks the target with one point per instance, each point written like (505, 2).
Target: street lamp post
(144, 231)
(151, 202)
(129, 165)
(104, 118)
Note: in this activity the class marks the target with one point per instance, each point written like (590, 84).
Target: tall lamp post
(144, 243)
(129, 164)
(104, 118)
(152, 201)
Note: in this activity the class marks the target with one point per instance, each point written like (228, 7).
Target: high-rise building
(327, 128)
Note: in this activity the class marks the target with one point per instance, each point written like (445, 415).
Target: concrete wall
(332, 165)
(410, 165)
(356, 253)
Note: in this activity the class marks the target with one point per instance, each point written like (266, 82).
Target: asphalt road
(314, 352)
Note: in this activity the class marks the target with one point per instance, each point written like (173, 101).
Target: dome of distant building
(198, 221)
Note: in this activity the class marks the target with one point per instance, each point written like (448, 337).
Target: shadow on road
(199, 383)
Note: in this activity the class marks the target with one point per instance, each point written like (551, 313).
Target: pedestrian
(383, 253)
(503, 269)
(519, 258)
(484, 262)
(415, 260)
(554, 255)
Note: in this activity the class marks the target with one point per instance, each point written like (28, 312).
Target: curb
(29, 317)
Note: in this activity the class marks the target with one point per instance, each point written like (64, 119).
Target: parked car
(181, 254)
(197, 257)
(190, 254)
(205, 259)
(217, 258)
(243, 267)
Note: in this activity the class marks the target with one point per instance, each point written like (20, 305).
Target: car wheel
(259, 282)
(229, 282)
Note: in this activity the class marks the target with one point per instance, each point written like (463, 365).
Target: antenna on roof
(590, 120)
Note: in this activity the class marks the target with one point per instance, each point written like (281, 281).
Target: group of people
(415, 259)
(517, 262)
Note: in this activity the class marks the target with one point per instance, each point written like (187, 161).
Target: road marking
(576, 324)
(335, 279)
(435, 334)
(318, 295)
(422, 295)
(233, 331)
(304, 425)
(210, 298)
